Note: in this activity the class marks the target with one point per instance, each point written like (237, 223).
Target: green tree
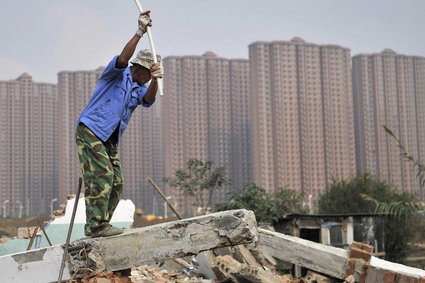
(267, 206)
(347, 196)
(199, 180)
(360, 194)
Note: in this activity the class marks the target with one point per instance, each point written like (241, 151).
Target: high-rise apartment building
(303, 125)
(141, 157)
(389, 89)
(206, 115)
(28, 137)
(140, 146)
(75, 89)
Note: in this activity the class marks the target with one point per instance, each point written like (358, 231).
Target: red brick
(360, 254)
(367, 256)
(405, 279)
(389, 277)
(367, 248)
(351, 263)
(356, 245)
(355, 253)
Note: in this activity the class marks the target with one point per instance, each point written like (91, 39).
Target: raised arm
(130, 47)
(156, 73)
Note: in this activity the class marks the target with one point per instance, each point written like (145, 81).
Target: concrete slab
(333, 261)
(318, 257)
(133, 248)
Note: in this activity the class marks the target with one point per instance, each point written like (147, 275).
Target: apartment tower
(207, 116)
(28, 115)
(303, 125)
(75, 89)
(389, 89)
(141, 157)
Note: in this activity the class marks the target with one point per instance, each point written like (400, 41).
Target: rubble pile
(146, 273)
(238, 264)
(142, 274)
(107, 277)
(219, 247)
(242, 274)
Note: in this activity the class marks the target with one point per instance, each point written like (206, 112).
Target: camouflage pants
(103, 181)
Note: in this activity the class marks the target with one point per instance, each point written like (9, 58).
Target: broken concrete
(133, 248)
(318, 257)
(240, 272)
(150, 274)
(358, 263)
(392, 272)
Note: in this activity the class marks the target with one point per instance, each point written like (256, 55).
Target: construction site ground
(241, 263)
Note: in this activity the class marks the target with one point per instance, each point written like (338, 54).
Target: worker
(119, 91)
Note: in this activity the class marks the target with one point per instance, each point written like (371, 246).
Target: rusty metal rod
(44, 231)
(32, 239)
(164, 197)
(71, 224)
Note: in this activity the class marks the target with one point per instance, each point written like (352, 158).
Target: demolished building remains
(229, 247)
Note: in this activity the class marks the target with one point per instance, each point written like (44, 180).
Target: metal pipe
(71, 224)
(148, 31)
(32, 238)
(164, 197)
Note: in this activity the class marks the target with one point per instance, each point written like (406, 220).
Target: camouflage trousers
(103, 181)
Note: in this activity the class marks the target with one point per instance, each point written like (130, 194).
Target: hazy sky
(43, 37)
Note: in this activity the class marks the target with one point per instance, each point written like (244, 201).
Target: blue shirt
(113, 102)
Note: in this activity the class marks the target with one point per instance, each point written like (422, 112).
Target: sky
(44, 37)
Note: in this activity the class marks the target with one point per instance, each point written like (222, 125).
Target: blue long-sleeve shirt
(113, 102)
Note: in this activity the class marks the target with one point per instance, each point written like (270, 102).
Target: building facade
(206, 115)
(389, 89)
(303, 126)
(28, 135)
(75, 89)
(141, 157)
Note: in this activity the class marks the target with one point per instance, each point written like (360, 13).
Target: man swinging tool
(119, 91)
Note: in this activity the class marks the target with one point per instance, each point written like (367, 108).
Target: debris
(146, 273)
(313, 277)
(34, 234)
(335, 262)
(359, 257)
(26, 232)
(228, 247)
(133, 248)
(319, 257)
(240, 272)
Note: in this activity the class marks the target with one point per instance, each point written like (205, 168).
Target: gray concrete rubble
(133, 248)
(228, 247)
(357, 263)
(318, 257)
(228, 267)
